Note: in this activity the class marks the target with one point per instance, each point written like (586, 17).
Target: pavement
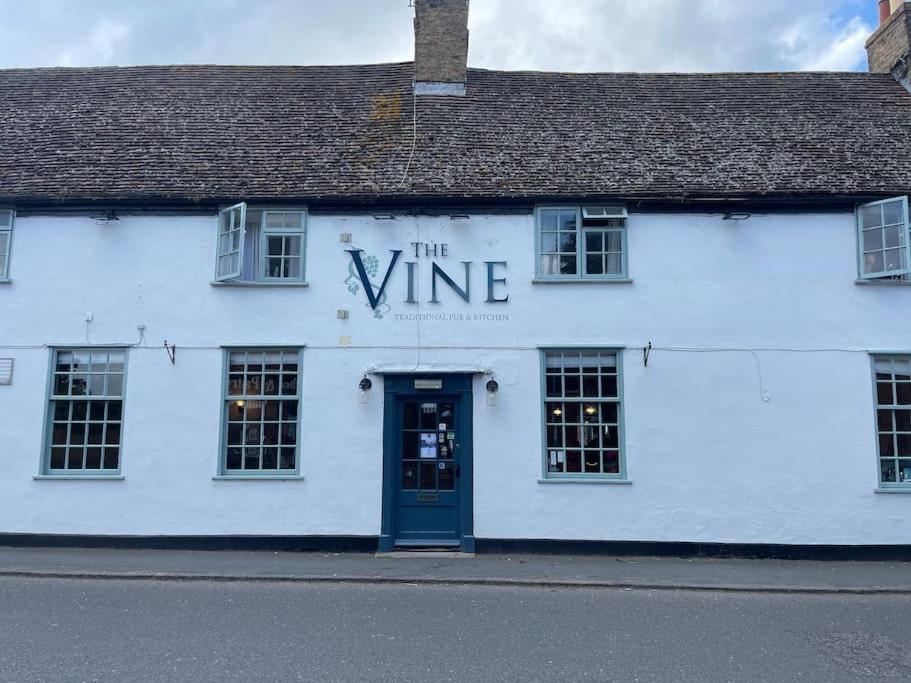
(583, 571)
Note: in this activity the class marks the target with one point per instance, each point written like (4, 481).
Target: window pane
(894, 259)
(292, 246)
(548, 220)
(594, 265)
(614, 264)
(614, 241)
(568, 242)
(567, 265)
(548, 241)
(594, 241)
(873, 239)
(873, 263)
(892, 236)
(550, 264)
(892, 213)
(870, 216)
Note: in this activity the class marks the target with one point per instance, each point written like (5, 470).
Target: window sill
(5, 281)
(581, 281)
(580, 480)
(78, 477)
(240, 283)
(259, 477)
(896, 489)
(883, 283)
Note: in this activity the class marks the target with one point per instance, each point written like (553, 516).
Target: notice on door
(428, 445)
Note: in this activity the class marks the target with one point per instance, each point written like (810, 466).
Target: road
(103, 630)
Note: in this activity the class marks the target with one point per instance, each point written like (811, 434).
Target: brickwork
(441, 41)
(891, 41)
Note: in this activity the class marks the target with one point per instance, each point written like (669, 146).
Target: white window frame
(257, 273)
(600, 211)
(266, 232)
(902, 273)
(6, 233)
(222, 248)
(546, 398)
(891, 436)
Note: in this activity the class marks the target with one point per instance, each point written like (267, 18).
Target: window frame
(6, 259)
(259, 268)
(581, 274)
(222, 471)
(264, 233)
(45, 470)
(886, 485)
(619, 477)
(903, 274)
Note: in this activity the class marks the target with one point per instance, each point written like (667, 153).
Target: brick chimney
(889, 48)
(440, 47)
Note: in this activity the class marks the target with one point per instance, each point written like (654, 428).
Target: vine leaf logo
(371, 266)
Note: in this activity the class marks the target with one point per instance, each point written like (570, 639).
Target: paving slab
(443, 568)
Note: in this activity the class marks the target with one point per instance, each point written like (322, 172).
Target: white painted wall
(709, 460)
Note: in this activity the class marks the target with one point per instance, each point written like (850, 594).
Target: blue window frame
(883, 244)
(7, 216)
(261, 245)
(84, 432)
(581, 243)
(261, 412)
(892, 377)
(583, 414)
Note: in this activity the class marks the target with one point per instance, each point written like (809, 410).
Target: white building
(601, 307)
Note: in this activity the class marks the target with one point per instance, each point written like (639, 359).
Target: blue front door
(427, 462)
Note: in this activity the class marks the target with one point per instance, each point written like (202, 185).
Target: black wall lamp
(366, 384)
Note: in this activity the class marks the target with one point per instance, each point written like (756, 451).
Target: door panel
(427, 469)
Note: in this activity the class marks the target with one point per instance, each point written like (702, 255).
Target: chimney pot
(440, 47)
(884, 10)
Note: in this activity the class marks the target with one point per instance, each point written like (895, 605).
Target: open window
(260, 245)
(6, 238)
(884, 248)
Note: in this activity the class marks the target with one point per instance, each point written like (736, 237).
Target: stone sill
(5, 281)
(78, 477)
(896, 489)
(581, 281)
(216, 283)
(567, 480)
(263, 477)
(883, 283)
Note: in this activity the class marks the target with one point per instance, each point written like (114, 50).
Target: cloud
(101, 46)
(565, 35)
(842, 54)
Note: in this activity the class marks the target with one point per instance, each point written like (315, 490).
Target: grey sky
(566, 35)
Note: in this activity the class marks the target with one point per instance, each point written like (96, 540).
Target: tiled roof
(206, 133)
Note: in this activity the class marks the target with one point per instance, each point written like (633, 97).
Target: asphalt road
(90, 630)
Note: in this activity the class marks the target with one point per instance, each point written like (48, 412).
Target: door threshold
(429, 553)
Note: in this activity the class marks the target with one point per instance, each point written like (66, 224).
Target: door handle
(458, 470)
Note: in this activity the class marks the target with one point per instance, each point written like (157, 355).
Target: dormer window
(883, 240)
(260, 245)
(582, 243)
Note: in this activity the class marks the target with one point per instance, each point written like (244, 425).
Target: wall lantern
(492, 388)
(365, 384)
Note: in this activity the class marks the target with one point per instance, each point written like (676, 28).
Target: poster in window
(428, 445)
